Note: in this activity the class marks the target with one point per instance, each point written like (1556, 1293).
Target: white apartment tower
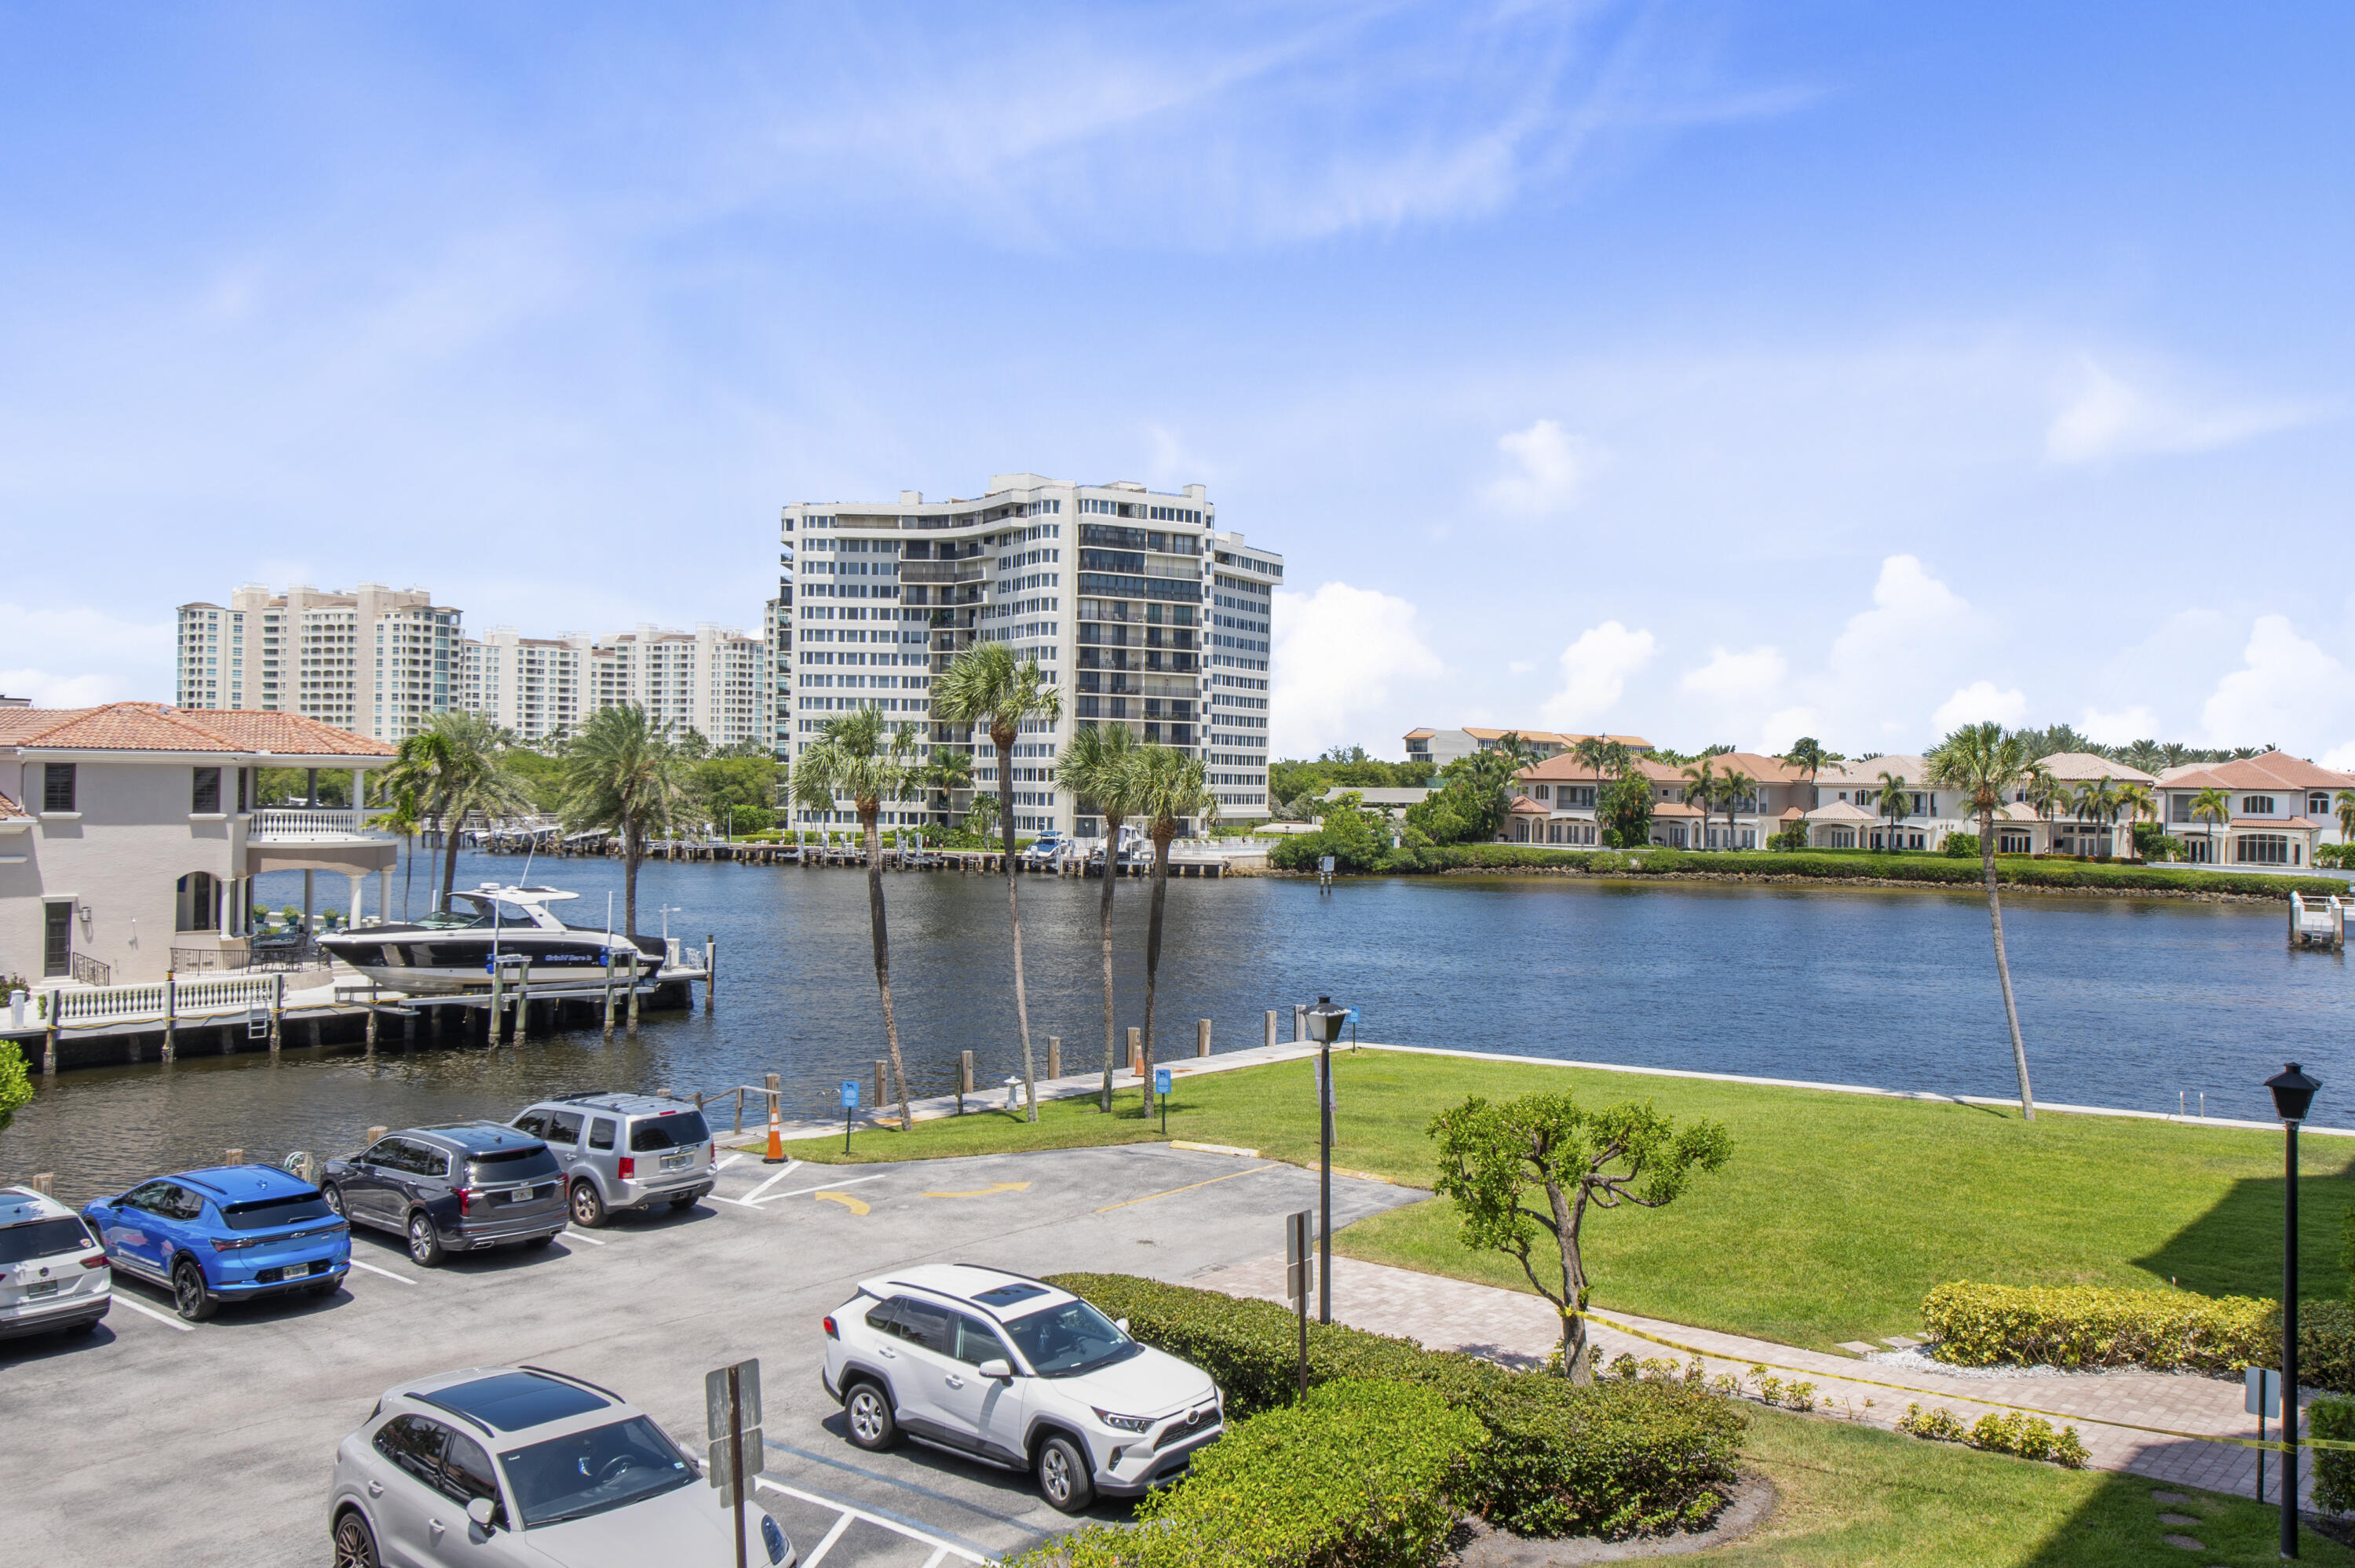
(377, 662)
(1132, 602)
(713, 680)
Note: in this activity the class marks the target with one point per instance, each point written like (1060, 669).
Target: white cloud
(2342, 758)
(1341, 656)
(1521, 666)
(2288, 691)
(1977, 703)
(1550, 468)
(2123, 727)
(2103, 416)
(1594, 672)
(1733, 677)
(113, 661)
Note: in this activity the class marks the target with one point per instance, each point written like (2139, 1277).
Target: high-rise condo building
(1138, 609)
(377, 662)
(713, 680)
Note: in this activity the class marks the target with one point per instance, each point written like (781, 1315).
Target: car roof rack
(468, 1416)
(568, 1377)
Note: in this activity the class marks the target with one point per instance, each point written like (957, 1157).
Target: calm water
(2124, 1002)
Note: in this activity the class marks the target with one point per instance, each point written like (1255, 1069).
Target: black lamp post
(1326, 1019)
(2293, 1094)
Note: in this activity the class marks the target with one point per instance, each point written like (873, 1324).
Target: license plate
(523, 1195)
(46, 1288)
(678, 1161)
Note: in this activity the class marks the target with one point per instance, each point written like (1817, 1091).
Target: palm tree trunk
(451, 818)
(881, 935)
(1014, 913)
(1103, 923)
(1162, 833)
(408, 873)
(632, 848)
(2003, 963)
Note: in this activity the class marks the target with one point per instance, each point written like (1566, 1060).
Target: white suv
(1010, 1370)
(53, 1273)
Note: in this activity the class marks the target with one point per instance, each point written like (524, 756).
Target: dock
(1188, 858)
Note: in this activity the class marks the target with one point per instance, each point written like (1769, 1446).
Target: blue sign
(851, 1094)
(1160, 1080)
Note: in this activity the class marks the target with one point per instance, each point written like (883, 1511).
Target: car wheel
(1063, 1479)
(424, 1243)
(588, 1208)
(869, 1411)
(354, 1543)
(189, 1296)
(335, 1197)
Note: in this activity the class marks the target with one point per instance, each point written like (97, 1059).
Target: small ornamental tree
(1538, 1163)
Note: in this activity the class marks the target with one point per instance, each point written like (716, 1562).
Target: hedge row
(2166, 1330)
(1615, 1458)
(2016, 1433)
(1853, 866)
(1364, 1472)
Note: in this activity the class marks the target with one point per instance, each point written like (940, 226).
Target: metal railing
(89, 970)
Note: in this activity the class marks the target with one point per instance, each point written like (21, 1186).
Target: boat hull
(443, 963)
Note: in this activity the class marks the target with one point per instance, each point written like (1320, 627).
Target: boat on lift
(456, 947)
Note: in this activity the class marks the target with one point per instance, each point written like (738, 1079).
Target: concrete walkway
(1519, 1328)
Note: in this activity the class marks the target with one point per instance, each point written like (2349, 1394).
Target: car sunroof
(1008, 1294)
(514, 1401)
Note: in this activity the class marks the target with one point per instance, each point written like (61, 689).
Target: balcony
(309, 826)
(942, 571)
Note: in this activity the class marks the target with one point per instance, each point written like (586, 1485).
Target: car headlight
(1124, 1423)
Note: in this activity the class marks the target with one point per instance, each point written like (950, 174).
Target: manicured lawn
(1857, 1496)
(1836, 1215)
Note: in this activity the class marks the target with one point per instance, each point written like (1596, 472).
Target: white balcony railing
(306, 826)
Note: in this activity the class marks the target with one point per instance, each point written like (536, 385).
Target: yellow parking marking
(845, 1199)
(985, 1192)
(1189, 1187)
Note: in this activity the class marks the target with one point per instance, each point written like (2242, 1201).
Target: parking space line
(1189, 1187)
(119, 1299)
(818, 1553)
(827, 1187)
(876, 1517)
(576, 1235)
(727, 1163)
(935, 1560)
(813, 1457)
(754, 1195)
(398, 1279)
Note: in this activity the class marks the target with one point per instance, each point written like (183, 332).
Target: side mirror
(997, 1369)
(1121, 1323)
(480, 1512)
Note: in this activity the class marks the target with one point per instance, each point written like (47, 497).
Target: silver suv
(625, 1152)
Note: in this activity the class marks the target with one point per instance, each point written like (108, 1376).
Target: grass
(1835, 1216)
(1853, 1495)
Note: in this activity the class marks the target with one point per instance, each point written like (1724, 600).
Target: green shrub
(1362, 1473)
(1963, 846)
(2166, 1330)
(2015, 1432)
(2326, 1344)
(2334, 1468)
(1789, 839)
(1618, 1457)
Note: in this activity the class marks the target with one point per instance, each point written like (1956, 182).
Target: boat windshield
(473, 911)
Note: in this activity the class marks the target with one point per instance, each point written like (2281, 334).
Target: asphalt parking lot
(157, 1440)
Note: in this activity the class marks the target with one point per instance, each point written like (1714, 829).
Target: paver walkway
(1509, 1325)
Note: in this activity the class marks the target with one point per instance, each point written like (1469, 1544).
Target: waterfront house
(1849, 814)
(2069, 829)
(1438, 747)
(130, 834)
(2281, 808)
(1557, 804)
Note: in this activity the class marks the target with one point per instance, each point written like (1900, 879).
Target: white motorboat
(456, 947)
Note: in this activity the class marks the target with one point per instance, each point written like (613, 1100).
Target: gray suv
(625, 1152)
(450, 1188)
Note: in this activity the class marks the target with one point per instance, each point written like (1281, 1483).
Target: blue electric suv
(233, 1233)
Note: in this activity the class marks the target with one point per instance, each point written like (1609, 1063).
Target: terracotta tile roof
(1764, 770)
(152, 726)
(1423, 734)
(1675, 809)
(2270, 770)
(2076, 765)
(2292, 823)
(1841, 811)
(1522, 804)
(1792, 814)
(12, 813)
(1869, 770)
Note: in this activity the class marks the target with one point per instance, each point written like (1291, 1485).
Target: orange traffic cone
(776, 1155)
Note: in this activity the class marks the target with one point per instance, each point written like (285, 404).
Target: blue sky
(1716, 373)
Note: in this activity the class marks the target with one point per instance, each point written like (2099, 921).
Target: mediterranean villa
(130, 834)
(2278, 808)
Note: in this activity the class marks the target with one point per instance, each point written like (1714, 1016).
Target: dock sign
(1160, 1080)
(851, 1094)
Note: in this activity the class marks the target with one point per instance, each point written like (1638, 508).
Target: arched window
(197, 903)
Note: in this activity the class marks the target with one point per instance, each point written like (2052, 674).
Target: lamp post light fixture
(1324, 1020)
(2293, 1094)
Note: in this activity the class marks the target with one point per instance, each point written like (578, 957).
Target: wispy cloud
(2101, 415)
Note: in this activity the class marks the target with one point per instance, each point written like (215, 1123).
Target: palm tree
(987, 687)
(981, 816)
(2347, 816)
(1170, 787)
(1734, 787)
(1702, 790)
(456, 765)
(2215, 807)
(1100, 767)
(1986, 767)
(2135, 803)
(858, 757)
(1894, 801)
(1808, 757)
(2046, 794)
(2096, 802)
(402, 817)
(947, 771)
(622, 774)
(1593, 752)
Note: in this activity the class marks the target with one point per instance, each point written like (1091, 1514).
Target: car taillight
(98, 1261)
(466, 1196)
(629, 1167)
(830, 1331)
(224, 1244)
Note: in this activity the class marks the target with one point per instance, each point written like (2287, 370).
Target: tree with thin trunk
(1988, 768)
(1171, 789)
(1808, 756)
(456, 765)
(2346, 817)
(859, 757)
(1099, 767)
(2135, 804)
(1894, 801)
(622, 774)
(2096, 802)
(1534, 1166)
(987, 687)
(2215, 807)
(947, 771)
(1734, 789)
(402, 817)
(1701, 785)
(981, 816)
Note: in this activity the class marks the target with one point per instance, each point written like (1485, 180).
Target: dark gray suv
(625, 1152)
(451, 1189)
